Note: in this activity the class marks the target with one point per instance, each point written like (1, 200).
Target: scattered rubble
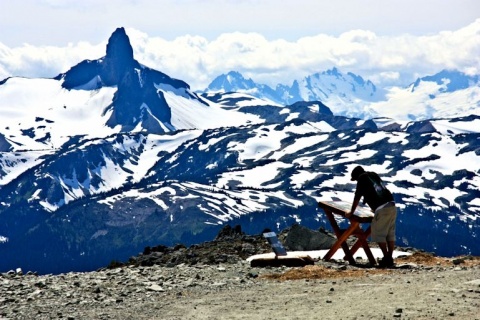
(150, 283)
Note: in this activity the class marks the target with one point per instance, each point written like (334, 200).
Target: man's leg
(391, 247)
(387, 250)
(383, 247)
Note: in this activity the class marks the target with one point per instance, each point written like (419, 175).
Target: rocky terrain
(212, 280)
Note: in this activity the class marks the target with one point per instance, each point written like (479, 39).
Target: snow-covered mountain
(350, 95)
(446, 94)
(449, 80)
(112, 156)
(235, 82)
(331, 87)
(96, 99)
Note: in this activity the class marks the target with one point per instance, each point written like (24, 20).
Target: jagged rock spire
(138, 101)
(119, 58)
(119, 48)
(108, 71)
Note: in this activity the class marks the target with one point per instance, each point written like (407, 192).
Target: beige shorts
(383, 224)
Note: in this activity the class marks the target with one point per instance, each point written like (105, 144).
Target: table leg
(348, 253)
(362, 242)
(341, 239)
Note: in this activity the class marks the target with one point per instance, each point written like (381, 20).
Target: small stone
(156, 288)
(397, 315)
(189, 283)
(219, 284)
(399, 310)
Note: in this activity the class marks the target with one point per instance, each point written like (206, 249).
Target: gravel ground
(420, 287)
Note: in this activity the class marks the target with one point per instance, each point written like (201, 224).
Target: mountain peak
(119, 49)
(107, 71)
(452, 80)
(333, 72)
(232, 81)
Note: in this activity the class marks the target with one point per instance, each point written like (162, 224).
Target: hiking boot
(386, 262)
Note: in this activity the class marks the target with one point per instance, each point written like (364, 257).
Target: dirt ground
(421, 286)
(437, 288)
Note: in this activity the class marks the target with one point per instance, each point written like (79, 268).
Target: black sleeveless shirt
(371, 187)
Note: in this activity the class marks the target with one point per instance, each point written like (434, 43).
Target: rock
(458, 261)
(156, 288)
(228, 232)
(248, 248)
(300, 238)
(406, 266)
(180, 273)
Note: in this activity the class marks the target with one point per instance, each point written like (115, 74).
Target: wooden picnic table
(362, 215)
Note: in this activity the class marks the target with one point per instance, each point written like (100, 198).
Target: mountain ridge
(92, 172)
(351, 95)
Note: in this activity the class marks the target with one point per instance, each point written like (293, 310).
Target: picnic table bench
(362, 215)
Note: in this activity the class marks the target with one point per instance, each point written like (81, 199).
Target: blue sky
(387, 41)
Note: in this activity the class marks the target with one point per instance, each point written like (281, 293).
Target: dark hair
(356, 172)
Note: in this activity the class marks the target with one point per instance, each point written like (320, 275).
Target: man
(380, 200)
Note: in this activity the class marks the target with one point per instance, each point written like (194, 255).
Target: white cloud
(45, 61)
(386, 60)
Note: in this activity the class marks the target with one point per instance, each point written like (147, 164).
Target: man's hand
(356, 200)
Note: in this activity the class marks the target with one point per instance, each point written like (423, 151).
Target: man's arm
(355, 203)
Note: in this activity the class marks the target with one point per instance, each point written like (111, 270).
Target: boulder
(300, 238)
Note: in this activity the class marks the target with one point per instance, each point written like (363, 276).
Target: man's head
(356, 172)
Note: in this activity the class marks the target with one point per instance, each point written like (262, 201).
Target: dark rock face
(133, 103)
(109, 70)
(301, 106)
(138, 100)
(421, 127)
(231, 245)
(119, 58)
(81, 74)
(301, 238)
(4, 144)
(229, 233)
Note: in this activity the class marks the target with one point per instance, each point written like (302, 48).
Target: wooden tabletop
(362, 214)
